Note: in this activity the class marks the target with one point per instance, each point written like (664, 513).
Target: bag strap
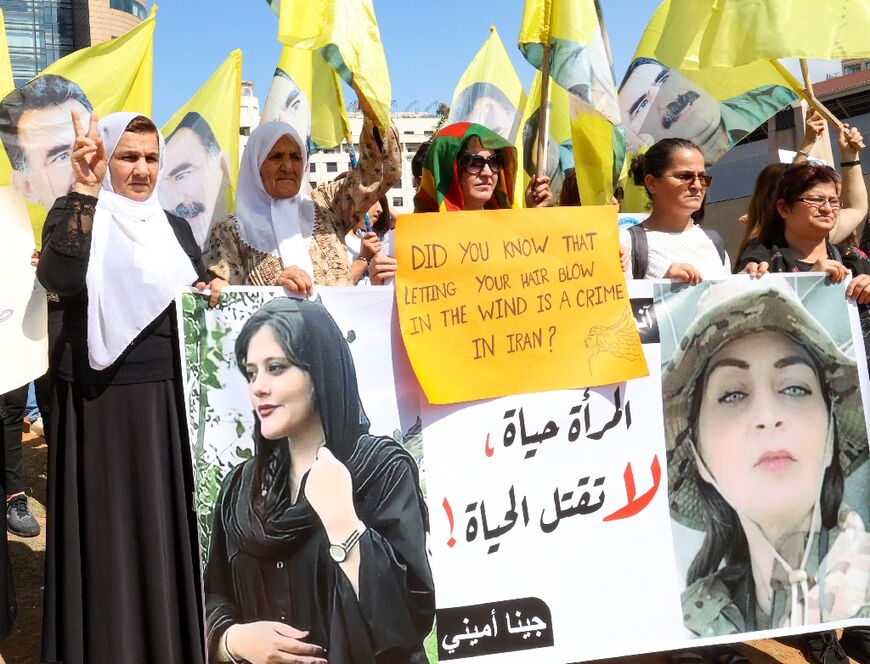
(717, 241)
(639, 251)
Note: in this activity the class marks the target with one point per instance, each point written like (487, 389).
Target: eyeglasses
(818, 201)
(688, 178)
(474, 163)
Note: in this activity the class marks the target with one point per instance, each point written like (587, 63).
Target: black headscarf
(263, 517)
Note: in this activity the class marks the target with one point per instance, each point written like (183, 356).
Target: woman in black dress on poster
(122, 581)
(318, 548)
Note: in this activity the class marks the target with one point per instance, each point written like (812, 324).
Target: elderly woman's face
(134, 165)
(762, 428)
(281, 393)
(281, 170)
(477, 188)
(814, 214)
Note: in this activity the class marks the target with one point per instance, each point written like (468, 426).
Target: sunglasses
(688, 178)
(474, 163)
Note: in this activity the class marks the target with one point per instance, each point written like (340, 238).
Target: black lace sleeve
(66, 244)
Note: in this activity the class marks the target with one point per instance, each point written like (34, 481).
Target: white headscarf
(136, 265)
(278, 226)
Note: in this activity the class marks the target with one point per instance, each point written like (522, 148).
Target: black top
(781, 259)
(63, 267)
(269, 553)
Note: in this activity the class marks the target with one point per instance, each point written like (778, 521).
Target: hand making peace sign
(89, 160)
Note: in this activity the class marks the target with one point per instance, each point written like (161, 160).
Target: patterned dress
(338, 207)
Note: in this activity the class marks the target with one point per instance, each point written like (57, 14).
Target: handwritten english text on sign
(535, 294)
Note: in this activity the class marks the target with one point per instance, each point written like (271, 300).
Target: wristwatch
(340, 552)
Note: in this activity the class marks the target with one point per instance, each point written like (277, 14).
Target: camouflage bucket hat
(728, 311)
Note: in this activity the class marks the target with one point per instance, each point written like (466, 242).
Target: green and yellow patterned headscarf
(439, 187)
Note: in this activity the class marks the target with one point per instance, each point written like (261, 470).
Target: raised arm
(379, 168)
(853, 194)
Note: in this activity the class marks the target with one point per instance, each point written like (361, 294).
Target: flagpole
(543, 132)
(829, 117)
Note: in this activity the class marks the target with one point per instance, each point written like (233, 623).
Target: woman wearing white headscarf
(284, 234)
(121, 567)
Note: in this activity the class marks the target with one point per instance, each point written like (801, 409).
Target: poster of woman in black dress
(318, 542)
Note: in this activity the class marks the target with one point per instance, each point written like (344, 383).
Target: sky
(428, 44)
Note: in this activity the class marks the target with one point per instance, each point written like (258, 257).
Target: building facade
(42, 31)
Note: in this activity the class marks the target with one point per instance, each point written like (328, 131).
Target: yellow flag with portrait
(714, 107)
(346, 34)
(201, 162)
(306, 93)
(35, 124)
(490, 94)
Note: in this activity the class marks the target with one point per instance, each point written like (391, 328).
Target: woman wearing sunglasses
(469, 167)
(672, 172)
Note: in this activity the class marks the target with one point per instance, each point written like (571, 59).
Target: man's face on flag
(657, 102)
(192, 184)
(287, 102)
(45, 136)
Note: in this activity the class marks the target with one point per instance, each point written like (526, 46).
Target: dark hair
(760, 204)
(570, 194)
(656, 160)
(419, 158)
(199, 126)
(724, 539)
(637, 62)
(42, 92)
(793, 183)
(384, 222)
(141, 125)
(465, 100)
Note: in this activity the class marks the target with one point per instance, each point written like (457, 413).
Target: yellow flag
(35, 124)
(714, 107)
(201, 164)
(579, 64)
(579, 59)
(599, 153)
(306, 92)
(346, 34)
(730, 33)
(6, 80)
(490, 94)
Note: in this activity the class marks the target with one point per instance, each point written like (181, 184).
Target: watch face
(337, 552)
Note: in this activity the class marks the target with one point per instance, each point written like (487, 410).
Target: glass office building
(39, 32)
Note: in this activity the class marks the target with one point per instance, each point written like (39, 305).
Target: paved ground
(28, 558)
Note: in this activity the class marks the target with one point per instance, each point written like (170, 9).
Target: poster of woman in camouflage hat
(767, 444)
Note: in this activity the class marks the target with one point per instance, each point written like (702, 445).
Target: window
(398, 184)
(851, 69)
(398, 201)
(406, 132)
(331, 167)
(131, 7)
(313, 167)
(313, 184)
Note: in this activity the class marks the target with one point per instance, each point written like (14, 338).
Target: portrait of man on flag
(659, 102)
(197, 175)
(37, 132)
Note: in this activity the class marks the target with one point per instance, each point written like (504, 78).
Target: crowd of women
(319, 541)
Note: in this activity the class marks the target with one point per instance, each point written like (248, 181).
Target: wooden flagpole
(829, 117)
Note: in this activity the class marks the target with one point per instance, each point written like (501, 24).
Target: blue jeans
(32, 412)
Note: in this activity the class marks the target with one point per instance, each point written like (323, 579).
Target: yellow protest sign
(511, 301)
